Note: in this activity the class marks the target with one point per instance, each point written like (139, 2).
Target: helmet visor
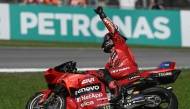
(106, 37)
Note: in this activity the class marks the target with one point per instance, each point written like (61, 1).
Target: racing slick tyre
(59, 102)
(162, 98)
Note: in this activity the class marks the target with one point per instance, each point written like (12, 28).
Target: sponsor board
(4, 22)
(24, 22)
(185, 25)
(81, 25)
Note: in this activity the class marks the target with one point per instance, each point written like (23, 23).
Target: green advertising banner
(78, 24)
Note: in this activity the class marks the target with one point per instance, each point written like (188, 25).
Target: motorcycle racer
(121, 61)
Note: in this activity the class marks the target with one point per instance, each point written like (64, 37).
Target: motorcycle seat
(127, 76)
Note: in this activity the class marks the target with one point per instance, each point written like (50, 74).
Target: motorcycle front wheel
(161, 98)
(59, 102)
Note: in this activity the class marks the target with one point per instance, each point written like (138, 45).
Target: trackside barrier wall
(78, 24)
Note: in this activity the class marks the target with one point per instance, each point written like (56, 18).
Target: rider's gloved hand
(99, 11)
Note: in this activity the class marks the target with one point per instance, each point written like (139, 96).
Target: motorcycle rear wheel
(59, 102)
(168, 98)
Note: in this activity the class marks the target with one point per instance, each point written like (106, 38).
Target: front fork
(49, 95)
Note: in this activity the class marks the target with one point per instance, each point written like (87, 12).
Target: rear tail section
(165, 73)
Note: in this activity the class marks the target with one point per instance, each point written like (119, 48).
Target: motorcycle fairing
(51, 76)
(87, 90)
(75, 81)
(70, 103)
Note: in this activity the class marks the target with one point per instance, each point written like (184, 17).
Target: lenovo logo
(86, 90)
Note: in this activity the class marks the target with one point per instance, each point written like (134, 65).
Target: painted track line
(27, 70)
(30, 70)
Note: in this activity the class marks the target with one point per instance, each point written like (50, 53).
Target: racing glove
(99, 11)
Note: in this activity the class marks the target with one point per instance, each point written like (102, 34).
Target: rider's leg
(106, 78)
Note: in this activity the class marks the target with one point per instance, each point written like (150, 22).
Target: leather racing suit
(121, 62)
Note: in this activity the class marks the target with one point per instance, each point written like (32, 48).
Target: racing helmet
(107, 43)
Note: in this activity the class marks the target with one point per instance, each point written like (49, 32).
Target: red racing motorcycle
(68, 89)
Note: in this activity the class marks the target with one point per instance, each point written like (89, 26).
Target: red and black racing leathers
(121, 62)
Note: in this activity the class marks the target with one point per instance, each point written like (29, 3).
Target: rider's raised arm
(112, 28)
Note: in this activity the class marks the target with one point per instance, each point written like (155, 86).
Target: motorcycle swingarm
(132, 105)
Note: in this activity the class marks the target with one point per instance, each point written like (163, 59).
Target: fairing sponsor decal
(119, 70)
(85, 90)
(89, 96)
(89, 80)
(165, 74)
(87, 103)
(134, 77)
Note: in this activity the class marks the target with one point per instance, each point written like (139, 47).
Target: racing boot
(106, 78)
(117, 93)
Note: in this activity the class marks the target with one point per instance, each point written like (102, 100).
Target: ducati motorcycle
(68, 89)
